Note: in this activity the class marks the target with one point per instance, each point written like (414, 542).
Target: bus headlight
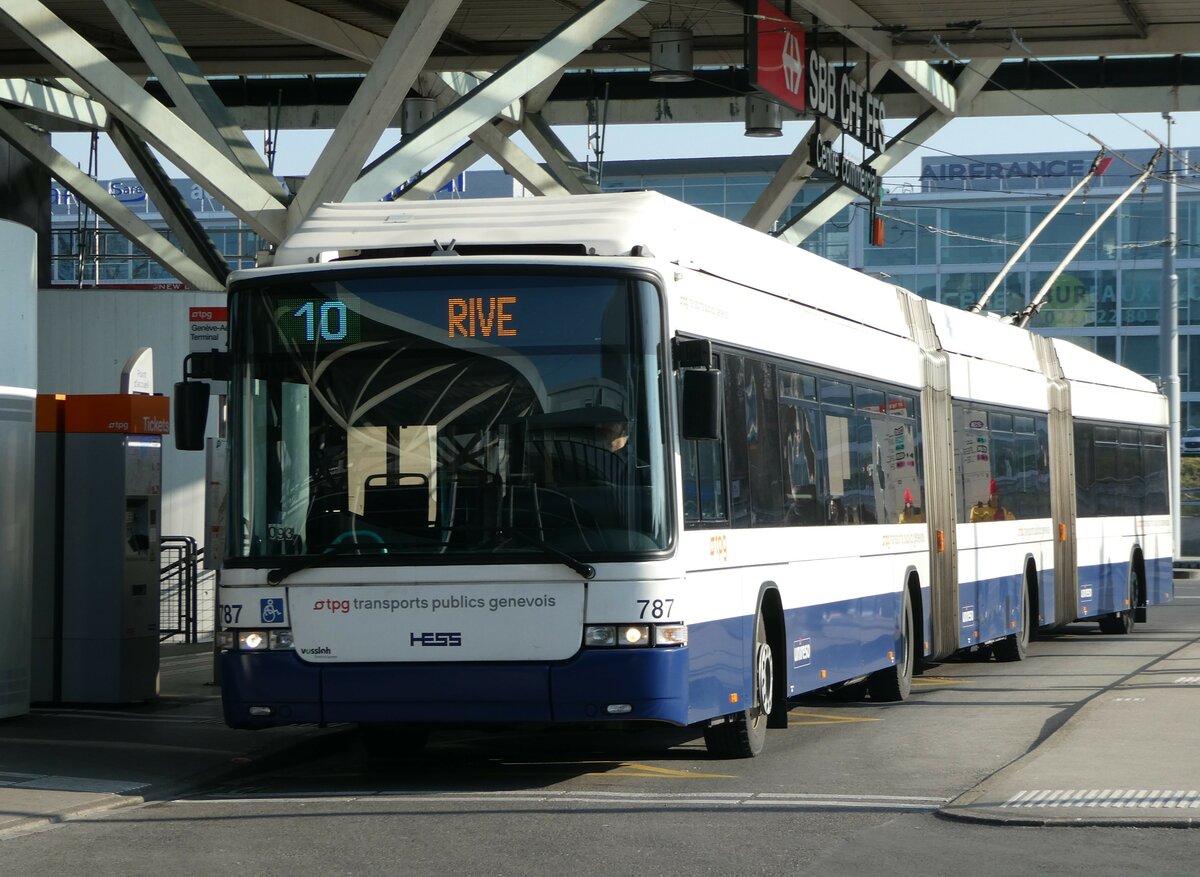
(278, 639)
(633, 635)
(252, 641)
(599, 635)
(670, 635)
(638, 636)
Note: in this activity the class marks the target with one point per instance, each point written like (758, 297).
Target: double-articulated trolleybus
(611, 459)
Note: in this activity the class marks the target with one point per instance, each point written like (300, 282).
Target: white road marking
(1141, 798)
(729, 800)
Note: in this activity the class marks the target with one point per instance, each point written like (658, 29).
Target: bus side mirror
(191, 415)
(701, 414)
(691, 353)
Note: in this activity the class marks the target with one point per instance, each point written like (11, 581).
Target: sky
(298, 150)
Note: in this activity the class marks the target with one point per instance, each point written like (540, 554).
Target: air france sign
(777, 56)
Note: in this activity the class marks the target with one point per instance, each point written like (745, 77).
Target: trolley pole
(1169, 337)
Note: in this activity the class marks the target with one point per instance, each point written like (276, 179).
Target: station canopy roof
(185, 79)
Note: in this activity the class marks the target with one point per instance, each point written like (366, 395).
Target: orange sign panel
(111, 412)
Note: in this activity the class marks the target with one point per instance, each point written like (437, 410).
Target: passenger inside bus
(911, 514)
(992, 510)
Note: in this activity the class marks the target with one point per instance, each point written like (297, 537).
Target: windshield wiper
(289, 565)
(584, 569)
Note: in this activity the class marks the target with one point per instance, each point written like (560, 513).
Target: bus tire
(1120, 623)
(894, 683)
(743, 734)
(1015, 647)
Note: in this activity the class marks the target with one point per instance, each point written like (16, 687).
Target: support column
(25, 199)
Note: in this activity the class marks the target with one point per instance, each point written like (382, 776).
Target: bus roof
(649, 224)
(1081, 365)
(616, 224)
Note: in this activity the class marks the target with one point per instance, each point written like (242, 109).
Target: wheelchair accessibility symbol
(271, 610)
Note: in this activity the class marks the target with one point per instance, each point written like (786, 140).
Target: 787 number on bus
(656, 609)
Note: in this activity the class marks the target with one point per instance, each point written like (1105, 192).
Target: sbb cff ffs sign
(776, 50)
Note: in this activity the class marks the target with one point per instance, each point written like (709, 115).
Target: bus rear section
(1121, 543)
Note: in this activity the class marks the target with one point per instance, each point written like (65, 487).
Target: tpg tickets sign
(442, 623)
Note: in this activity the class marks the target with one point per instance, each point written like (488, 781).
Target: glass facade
(105, 257)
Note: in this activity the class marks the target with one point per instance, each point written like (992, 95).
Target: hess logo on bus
(439, 638)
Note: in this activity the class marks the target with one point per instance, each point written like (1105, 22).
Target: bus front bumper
(261, 690)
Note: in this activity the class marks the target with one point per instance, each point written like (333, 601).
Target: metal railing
(177, 588)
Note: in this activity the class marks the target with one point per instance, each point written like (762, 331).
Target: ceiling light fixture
(671, 54)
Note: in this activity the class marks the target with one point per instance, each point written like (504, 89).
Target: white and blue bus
(612, 459)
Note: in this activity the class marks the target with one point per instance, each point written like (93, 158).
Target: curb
(302, 747)
(993, 816)
(81, 811)
(963, 808)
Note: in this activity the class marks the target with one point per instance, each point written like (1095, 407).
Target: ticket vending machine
(97, 523)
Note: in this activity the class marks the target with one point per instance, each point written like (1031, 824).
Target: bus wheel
(1122, 622)
(743, 734)
(1119, 622)
(1013, 648)
(392, 741)
(895, 682)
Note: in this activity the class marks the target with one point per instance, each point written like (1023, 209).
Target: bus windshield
(391, 417)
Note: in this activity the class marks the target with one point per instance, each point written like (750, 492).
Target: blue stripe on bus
(1109, 583)
(1160, 580)
(652, 682)
(1103, 589)
(846, 639)
(1046, 597)
(989, 609)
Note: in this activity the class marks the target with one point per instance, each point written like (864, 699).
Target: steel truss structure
(185, 79)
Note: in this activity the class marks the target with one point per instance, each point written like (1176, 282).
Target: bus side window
(1085, 470)
(836, 461)
(703, 468)
(703, 483)
(763, 453)
(736, 440)
(798, 425)
(1154, 468)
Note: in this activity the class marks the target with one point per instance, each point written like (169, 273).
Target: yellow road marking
(625, 769)
(934, 681)
(797, 717)
(630, 769)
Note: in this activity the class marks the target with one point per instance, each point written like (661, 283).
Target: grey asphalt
(62, 763)
(1128, 756)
